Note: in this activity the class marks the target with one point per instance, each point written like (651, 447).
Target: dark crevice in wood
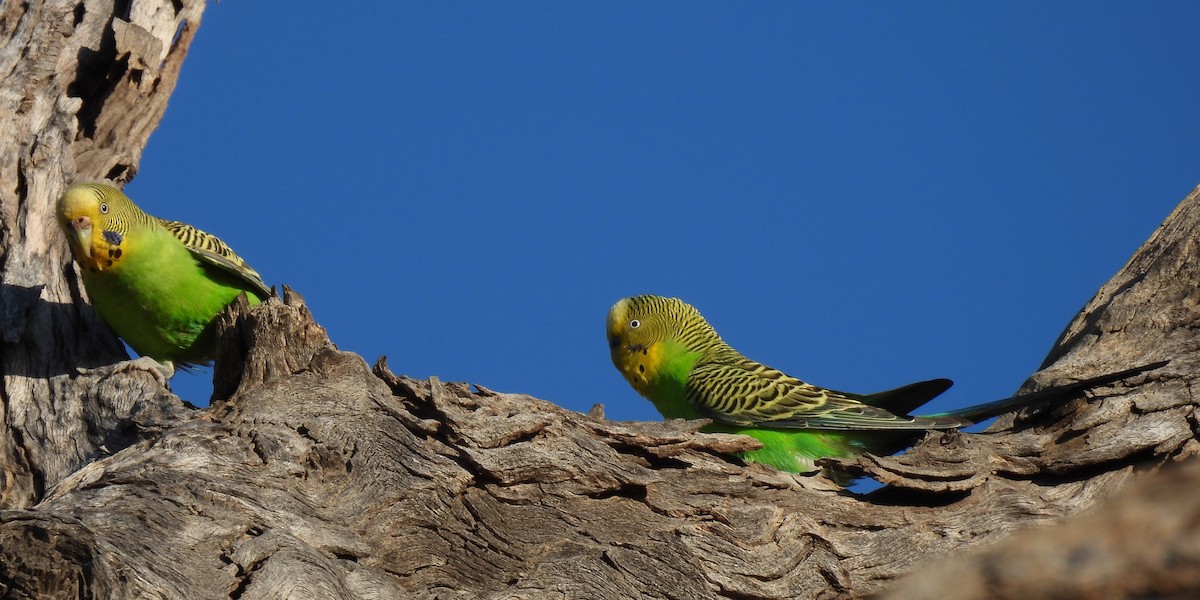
(122, 8)
(1085, 472)
(21, 191)
(894, 496)
(653, 460)
(479, 474)
(632, 491)
(244, 577)
(119, 172)
(314, 474)
(100, 70)
(21, 452)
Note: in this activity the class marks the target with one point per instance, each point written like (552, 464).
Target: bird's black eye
(103, 208)
(634, 324)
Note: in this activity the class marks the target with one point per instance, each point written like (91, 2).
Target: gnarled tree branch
(315, 475)
(82, 85)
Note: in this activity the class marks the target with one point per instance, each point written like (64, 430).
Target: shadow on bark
(316, 475)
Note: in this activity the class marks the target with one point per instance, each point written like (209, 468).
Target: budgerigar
(674, 358)
(159, 284)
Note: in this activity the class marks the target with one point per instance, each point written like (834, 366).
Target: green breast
(161, 300)
(668, 387)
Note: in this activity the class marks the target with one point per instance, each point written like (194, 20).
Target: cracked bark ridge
(82, 85)
(314, 475)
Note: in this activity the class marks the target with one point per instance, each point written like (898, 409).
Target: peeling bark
(316, 475)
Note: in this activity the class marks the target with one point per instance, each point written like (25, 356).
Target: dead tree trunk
(314, 475)
(83, 85)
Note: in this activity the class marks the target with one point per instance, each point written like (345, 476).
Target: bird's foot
(161, 371)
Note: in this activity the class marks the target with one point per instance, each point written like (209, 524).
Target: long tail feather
(980, 412)
(903, 400)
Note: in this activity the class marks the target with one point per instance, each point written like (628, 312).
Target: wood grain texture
(1141, 543)
(316, 475)
(81, 88)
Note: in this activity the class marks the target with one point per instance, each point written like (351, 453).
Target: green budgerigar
(159, 284)
(673, 357)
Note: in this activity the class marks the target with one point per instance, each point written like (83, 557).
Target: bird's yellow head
(647, 334)
(96, 219)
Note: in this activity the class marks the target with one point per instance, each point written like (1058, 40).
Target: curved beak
(82, 227)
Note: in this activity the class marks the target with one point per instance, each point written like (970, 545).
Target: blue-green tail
(981, 412)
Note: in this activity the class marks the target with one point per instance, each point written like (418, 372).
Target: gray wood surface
(316, 475)
(80, 93)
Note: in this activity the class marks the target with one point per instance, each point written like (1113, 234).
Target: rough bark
(315, 475)
(82, 85)
(1141, 543)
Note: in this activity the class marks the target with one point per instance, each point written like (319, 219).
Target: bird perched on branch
(158, 284)
(674, 358)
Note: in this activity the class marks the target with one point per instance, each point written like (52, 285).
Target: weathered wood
(1141, 543)
(80, 91)
(314, 475)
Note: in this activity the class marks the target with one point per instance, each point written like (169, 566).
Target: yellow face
(85, 215)
(634, 341)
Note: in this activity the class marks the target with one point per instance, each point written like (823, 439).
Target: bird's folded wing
(755, 395)
(211, 250)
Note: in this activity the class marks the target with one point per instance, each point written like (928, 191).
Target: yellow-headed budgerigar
(159, 284)
(674, 358)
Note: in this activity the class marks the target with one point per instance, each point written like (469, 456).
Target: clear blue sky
(862, 197)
